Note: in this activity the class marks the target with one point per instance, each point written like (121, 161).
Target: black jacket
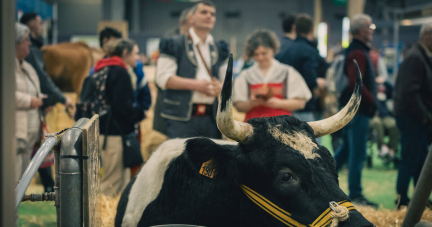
(285, 42)
(359, 51)
(120, 95)
(47, 86)
(413, 89)
(304, 57)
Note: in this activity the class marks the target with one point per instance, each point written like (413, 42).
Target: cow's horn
(235, 130)
(343, 117)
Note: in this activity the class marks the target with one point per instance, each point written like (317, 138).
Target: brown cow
(69, 63)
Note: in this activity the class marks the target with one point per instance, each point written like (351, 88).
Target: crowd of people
(125, 92)
(274, 77)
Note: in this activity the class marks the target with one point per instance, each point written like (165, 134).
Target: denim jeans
(353, 151)
(414, 141)
(381, 125)
(304, 116)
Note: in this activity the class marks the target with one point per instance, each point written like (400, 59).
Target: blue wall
(38, 6)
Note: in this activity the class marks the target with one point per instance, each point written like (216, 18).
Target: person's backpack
(340, 79)
(93, 96)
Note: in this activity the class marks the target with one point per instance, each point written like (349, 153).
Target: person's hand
(257, 102)
(35, 102)
(217, 86)
(316, 92)
(69, 102)
(48, 109)
(205, 87)
(322, 83)
(73, 113)
(380, 80)
(273, 102)
(254, 101)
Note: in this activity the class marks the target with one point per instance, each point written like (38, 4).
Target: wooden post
(91, 173)
(318, 15)
(122, 26)
(8, 179)
(355, 7)
(421, 194)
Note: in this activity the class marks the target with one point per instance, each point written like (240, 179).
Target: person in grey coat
(29, 99)
(47, 86)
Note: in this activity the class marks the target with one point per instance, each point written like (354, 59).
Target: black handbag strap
(106, 129)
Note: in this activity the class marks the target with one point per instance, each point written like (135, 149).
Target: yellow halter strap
(323, 220)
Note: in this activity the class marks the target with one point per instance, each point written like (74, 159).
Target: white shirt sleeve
(297, 87)
(165, 68)
(241, 90)
(222, 71)
(382, 68)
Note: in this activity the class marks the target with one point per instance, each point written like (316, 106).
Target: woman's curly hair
(261, 37)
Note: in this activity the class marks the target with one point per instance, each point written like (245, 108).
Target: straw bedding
(381, 217)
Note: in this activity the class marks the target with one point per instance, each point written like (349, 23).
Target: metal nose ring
(333, 206)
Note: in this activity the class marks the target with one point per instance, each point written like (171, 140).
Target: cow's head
(280, 158)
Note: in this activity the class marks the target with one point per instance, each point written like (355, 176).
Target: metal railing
(32, 168)
(71, 195)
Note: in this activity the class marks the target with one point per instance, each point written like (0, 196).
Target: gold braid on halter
(331, 216)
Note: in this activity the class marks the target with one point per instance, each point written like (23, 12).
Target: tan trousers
(114, 177)
(24, 151)
(386, 124)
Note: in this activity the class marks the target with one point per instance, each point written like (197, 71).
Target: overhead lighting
(372, 26)
(406, 22)
(345, 32)
(416, 21)
(322, 39)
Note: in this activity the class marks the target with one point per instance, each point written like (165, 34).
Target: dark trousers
(414, 141)
(47, 179)
(197, 126)
(353, 151)
(336, 140)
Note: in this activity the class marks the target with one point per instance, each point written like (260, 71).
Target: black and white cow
(277, 157)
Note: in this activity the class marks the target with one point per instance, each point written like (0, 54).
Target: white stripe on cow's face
(150, 179)
(297, 140)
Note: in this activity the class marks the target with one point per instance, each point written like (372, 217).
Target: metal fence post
(32, 168)
(71, 166)
(57, 184)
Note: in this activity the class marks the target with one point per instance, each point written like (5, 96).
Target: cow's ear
(202, 150)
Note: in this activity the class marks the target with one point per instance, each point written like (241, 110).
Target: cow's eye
(286, 177)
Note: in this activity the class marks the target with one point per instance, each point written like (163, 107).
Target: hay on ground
(108, 210)
(380, 218)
